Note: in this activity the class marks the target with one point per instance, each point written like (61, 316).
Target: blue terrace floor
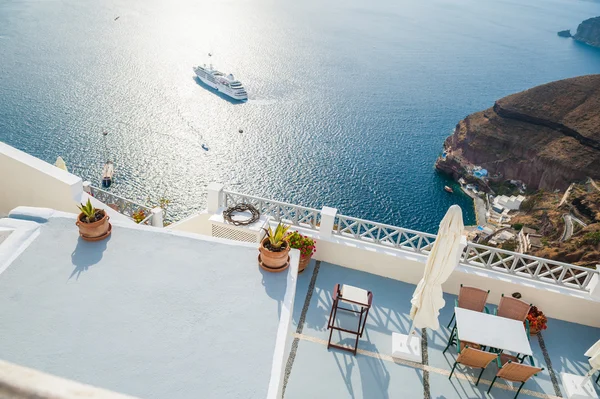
(314, 371)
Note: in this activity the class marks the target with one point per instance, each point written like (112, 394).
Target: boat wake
(262, 101)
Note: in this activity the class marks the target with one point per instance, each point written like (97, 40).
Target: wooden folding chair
(516, 309)
(351, 295)
(473, 358)
(514, 372)
(513, 308)
(453, 340)
(471, 298)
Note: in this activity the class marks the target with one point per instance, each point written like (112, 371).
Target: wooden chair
(513, 308)
(473, 358)
(363, 299)
(514, 372)
(516, 309)
(471, 298)
(453, 340)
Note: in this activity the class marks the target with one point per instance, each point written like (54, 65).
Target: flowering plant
(305, 244)
(537, 319)
(138, 216)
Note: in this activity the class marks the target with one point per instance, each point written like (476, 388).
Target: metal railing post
(157, 217)
(87, 187)
(214, 198)
(594, 285)
(327, 222)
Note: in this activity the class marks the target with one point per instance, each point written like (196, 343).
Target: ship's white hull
(206, 79)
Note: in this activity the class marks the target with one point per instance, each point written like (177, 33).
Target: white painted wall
(197, 223)
(29, 181)
(556, 302)
(20, 382)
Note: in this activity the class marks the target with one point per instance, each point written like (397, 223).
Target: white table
(492, 331)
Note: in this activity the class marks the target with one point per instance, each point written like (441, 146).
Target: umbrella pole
(588, 376)
(410, 333)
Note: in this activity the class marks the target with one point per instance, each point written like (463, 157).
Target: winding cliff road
(568, 232)
(564, 198)
(480, 208)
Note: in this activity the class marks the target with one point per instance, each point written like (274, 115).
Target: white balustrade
(329, 224)
(153, 217)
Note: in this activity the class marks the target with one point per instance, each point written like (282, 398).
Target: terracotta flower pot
(273, 261)
(533, 331)
(95, 231)
(304, 261)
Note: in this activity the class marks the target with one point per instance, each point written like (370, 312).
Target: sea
(350, 100)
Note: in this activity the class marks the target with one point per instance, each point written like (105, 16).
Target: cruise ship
(225, 84)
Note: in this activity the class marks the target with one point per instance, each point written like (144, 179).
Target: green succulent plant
(278, 236)
(88, 211)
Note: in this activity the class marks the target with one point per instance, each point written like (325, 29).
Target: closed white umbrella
(60, 163)
(428, 297)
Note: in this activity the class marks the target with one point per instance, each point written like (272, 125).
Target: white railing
(280, 211)
(383, 234)
(528, 266)
(475, 255)
(126, 207)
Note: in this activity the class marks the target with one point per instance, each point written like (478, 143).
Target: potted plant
(93, 223)
(138, 216)
(307, 248)
(537, 320)
(274, 249)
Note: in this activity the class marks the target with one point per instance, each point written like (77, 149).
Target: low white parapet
(29, 181)
(18, 382)
(401, 254)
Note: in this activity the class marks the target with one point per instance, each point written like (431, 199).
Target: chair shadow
(319, 317)
(216, 92)
(374, 376)
(87, 254)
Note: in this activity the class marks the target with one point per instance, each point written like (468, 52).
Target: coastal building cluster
(494, 212)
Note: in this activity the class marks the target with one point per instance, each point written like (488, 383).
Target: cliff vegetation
(576, 240)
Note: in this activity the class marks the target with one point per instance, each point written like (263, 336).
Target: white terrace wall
(197, 223)
(17, 382)
(557, 302)
(29, 181)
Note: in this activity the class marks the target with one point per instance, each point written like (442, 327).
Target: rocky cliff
(589, 32)
(547, 136)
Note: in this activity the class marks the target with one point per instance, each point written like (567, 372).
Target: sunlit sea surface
(350, 101)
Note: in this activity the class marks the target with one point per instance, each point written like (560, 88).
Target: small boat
(448, 189)
(204, 147)
(107, 174)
